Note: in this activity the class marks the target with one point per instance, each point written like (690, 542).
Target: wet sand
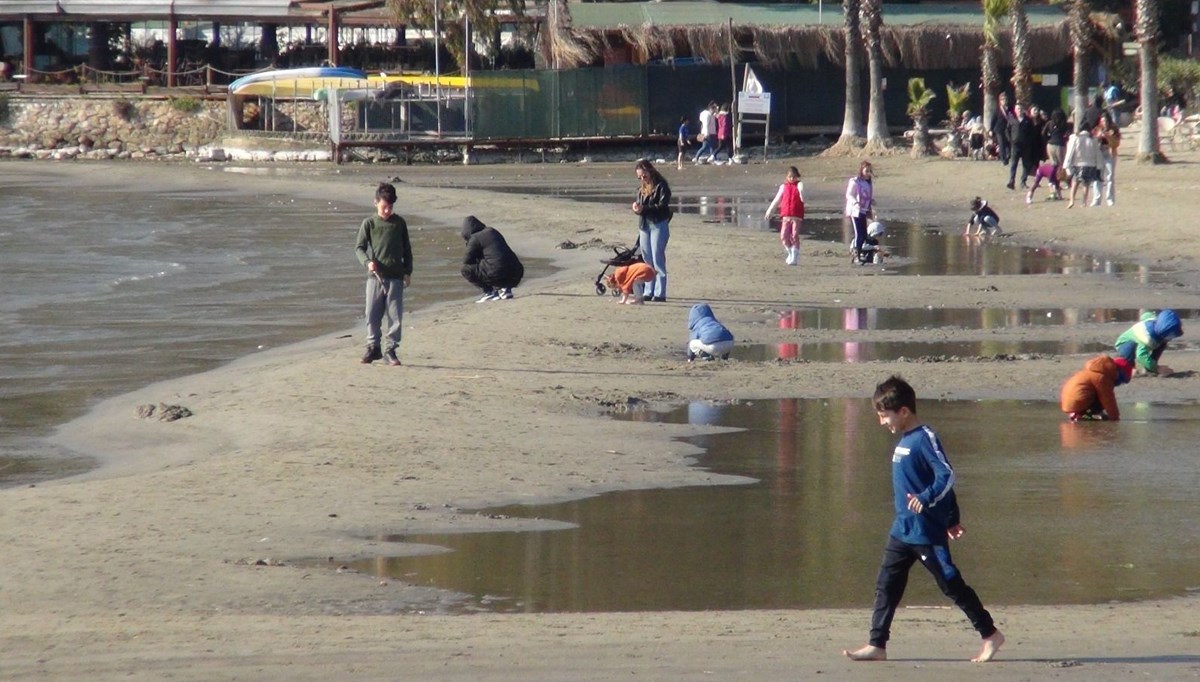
(186, 555)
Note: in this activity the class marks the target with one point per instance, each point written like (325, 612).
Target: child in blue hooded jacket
(1143, 343)
(708, 338)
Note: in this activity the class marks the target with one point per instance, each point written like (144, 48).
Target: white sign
(754, 103)
(1050, 80)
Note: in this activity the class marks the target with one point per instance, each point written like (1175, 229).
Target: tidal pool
(1056, 513)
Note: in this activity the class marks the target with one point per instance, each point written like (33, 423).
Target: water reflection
(867, 351)
(959, 318)
(1080, 513)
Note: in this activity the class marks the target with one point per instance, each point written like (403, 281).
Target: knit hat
(1124, 370)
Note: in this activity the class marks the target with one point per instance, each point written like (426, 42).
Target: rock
(163, 411)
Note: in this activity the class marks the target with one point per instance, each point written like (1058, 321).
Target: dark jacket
(657, 206)
(489, 256)
(1022, 132)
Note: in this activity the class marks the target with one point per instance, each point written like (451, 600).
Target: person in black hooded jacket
(489, 262)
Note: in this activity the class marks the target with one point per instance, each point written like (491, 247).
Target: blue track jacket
(920, 467)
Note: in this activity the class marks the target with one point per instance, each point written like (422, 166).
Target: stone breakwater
(144, 128)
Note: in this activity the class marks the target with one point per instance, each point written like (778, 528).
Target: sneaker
(659, 299)
(371, 355)
(489, 296)
(392, 360)
(1028, 199)
(506, 294)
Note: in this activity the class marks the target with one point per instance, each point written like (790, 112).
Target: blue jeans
(653, 242)
(706, 148)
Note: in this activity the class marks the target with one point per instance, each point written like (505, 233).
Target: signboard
(754, 103)
(1050, 79)
(1129, 49)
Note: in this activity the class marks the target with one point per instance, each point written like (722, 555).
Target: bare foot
(1071, 204)
(869, 653)
(990, 646)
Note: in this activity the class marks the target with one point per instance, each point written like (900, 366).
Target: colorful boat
(298, 83)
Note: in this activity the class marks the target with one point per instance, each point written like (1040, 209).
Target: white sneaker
(489, 296)
(506, 293)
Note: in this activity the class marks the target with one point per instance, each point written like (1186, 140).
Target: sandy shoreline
(143, 570)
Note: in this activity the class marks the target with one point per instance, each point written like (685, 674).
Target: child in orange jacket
(628, 279)
(1089, 393)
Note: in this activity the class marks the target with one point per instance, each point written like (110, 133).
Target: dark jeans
(859, 223)
(898, 558)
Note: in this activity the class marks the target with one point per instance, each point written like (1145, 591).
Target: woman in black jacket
(653, 205)
(489, 263)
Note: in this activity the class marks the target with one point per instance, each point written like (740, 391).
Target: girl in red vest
(790, 201)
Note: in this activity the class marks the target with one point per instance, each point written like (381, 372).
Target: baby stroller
(871, 252)
(621, 256)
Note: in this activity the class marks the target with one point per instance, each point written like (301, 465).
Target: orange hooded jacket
(1095, 383)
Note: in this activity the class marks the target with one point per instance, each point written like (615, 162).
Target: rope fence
(190, 75)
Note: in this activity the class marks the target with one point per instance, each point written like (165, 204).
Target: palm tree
(919, 98)
(993, 11)
(872, 20)
(1147, 36)
(1079, 23)
(1021, 79)
(448, 16)
(852, 127)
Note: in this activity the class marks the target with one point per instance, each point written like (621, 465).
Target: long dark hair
(651, 179)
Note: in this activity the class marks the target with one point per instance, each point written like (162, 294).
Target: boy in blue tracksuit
(707, 338)
(1143, 343)
(927, 517)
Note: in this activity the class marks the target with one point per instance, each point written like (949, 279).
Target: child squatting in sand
(629, 280)
(927, 517)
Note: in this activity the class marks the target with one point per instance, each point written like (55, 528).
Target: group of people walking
(1045, 148)
(715, 136)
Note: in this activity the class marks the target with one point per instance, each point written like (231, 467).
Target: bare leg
(873, 653)
(990, 646)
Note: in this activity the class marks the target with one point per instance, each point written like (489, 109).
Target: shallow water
(868, 351)
(1055, 513)
(136, 287)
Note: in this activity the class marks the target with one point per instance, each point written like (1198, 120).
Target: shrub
(124, 109)
(186, 105)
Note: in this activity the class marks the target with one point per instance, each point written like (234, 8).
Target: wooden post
(332, 35)
(172, 26)
(28, 48)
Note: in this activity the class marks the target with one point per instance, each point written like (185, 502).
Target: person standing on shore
(384, 248)
(653, 207)
(927, 517)
(682, 141)
(860, 206)
(790, 202)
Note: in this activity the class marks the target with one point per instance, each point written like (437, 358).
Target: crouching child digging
(927, 517)
(707, 337)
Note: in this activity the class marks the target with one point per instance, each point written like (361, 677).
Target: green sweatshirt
(385, 241)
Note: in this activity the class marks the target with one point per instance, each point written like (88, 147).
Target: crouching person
(708, 338)
(489, 262)
(1089, 393)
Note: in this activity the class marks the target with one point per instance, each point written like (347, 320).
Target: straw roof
(910, 39)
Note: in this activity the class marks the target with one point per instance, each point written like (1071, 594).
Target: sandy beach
(195, 552)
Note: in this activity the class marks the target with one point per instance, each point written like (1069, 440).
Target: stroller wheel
(599, 289)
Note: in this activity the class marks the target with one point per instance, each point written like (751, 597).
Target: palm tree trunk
(1147, 35)
(872, 19)
(1021, 79)
(1081, 34)
(852, 127)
